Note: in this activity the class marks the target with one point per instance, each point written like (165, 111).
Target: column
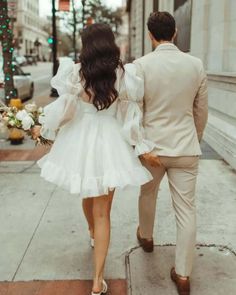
(214, 41)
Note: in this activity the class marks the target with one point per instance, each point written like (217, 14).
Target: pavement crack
(128, 274)
(33, 235)
(219, 246)
(27, 168)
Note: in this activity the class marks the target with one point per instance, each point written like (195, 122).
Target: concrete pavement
(213, 273)
(44, 236)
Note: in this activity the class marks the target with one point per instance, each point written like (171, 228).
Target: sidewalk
(44, 237)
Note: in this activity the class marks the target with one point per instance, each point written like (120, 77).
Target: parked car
(23, 83)
(20, 60)
(31, 59)
(72, 56)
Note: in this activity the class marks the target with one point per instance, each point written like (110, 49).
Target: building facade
(28, 29)
(122, 38)
(139, 11)
(206, 29)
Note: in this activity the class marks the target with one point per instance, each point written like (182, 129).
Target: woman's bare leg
(101, 215)
(88, 213)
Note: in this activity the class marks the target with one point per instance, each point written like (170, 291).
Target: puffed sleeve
(63, 109)
(130, 110)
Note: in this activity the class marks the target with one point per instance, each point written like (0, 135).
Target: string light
(6, 37)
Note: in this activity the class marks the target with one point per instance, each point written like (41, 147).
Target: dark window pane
(183, 16)
(178, 3)
(155, 5)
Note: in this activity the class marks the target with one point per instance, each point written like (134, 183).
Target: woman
(95, 121)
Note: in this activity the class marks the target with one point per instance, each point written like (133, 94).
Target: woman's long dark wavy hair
(100, 57)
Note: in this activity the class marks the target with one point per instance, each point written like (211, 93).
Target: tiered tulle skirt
(90, 157)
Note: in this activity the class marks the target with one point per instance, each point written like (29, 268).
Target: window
(155, 5)
(183, 14)
(26, 46)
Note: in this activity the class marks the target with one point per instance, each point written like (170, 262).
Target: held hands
(35, 132)
(151, 159)
(39, 140)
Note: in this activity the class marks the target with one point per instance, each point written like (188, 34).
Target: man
(174, 117)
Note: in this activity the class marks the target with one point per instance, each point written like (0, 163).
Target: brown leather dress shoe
(146, 244)
(183, 286)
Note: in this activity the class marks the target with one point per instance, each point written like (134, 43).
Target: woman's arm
(130, 114)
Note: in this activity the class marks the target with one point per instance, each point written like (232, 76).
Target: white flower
(21, 115)
(11, 122)
(27, 122)
(10, 114)
(40, 110)
(31, 107)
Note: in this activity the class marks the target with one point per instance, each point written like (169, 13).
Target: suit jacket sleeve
(200, 105)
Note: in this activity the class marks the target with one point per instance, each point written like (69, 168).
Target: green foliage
(73, 21)
(95, 9)
(103, 14)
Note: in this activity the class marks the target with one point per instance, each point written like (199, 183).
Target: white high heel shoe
(104, 289)
(92, 242)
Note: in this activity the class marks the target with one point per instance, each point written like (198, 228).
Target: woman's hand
(151, 159)
(35, 131)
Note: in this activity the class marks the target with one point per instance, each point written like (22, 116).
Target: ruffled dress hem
(92, 186)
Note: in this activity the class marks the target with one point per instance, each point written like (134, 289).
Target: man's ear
(151, 36)
(175, 35)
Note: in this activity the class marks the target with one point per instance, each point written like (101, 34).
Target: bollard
(16, 136)
(16, 102)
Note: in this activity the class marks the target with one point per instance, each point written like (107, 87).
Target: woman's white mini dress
(94, 151)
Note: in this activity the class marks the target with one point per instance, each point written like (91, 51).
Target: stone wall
(214, 41)
(136, 28)
(147, 42)
(166, 5)
(139, 39)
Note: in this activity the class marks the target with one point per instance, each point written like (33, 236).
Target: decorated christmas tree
(6, 39)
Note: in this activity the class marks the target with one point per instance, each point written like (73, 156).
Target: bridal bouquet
(24, 119)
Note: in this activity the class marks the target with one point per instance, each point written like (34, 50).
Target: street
(41, 74)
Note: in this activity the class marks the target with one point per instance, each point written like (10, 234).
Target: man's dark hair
(161, 25)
